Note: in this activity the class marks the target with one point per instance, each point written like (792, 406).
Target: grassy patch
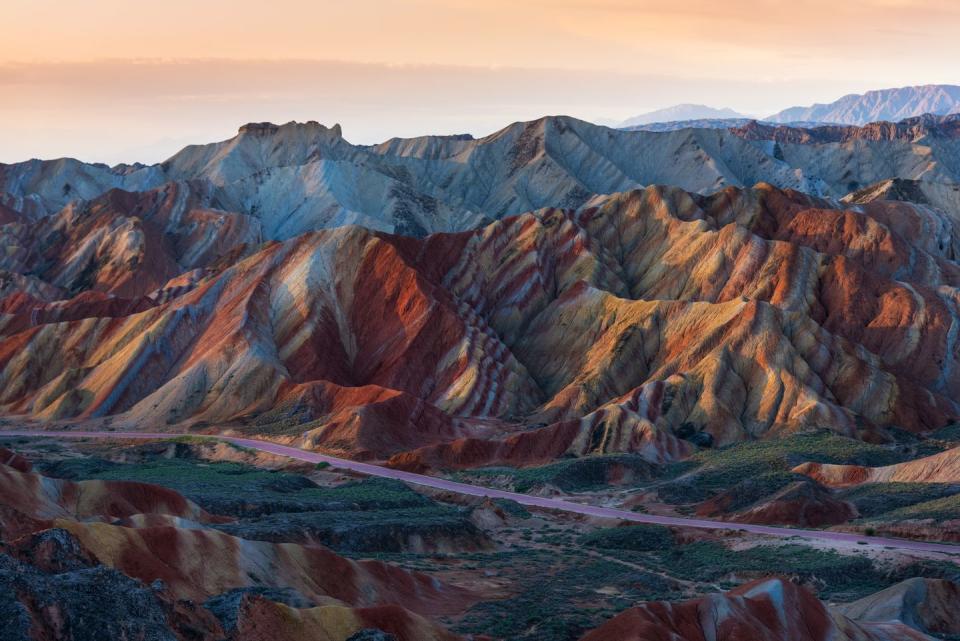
(369, 516)
(637, 538)
(949, 433)
(513, 508)
(942, 509)
(877, 499)
(558, 599)
(765, 464)
(195, 439)
(571, 475)
(244, 490)
(364, 531)
(842, 577)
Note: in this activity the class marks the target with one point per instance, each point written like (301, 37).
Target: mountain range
(288, 179)
(681, 112)
(889, 105)
(755, 323)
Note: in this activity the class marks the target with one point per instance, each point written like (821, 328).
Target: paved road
(523, 499)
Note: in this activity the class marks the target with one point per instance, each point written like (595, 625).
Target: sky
(112, 81)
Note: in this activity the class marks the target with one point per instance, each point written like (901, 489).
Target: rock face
(769, 610)
(60, 608)
(647, 322)
(125, 244)
(910, 130)
(698, 123)
(260, 619)
(884, 104)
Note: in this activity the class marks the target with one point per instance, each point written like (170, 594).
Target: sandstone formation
(38, 497)
(645, 322)
(800, 504)
(768, 610)
(939, 468)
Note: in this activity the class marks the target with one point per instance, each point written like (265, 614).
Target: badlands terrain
(753, 324)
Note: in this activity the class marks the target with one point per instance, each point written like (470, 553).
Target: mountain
(278, 181)
(222, 286)
(299, 177)
(886, 104)
(915, 160)
(558, 332)
(769, 337)
(681, 112)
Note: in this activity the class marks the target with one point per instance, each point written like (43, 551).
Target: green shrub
(764, 465)
(571, 475)
(637, 538)
(879, 499)
(845, 577)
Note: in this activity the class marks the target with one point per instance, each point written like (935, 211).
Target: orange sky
(109, 80)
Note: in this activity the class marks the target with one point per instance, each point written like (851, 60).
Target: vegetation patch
(838, 576)
(879, 499)
(513, 508)
(758, 466)
(242, 490)
(942, 509)
(570, 475)
(559, 600)
(949, 433)
(637, 538)
(366, 532)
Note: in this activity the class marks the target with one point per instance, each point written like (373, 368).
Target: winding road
(524, 499)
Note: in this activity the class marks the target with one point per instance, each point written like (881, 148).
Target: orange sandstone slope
(640, 318)
(40, 497)
(767, 610)
(938, 468)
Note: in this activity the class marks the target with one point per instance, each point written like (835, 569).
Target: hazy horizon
(112, 83)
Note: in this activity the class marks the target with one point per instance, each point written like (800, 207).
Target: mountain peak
(269, 128)
(259, 128)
